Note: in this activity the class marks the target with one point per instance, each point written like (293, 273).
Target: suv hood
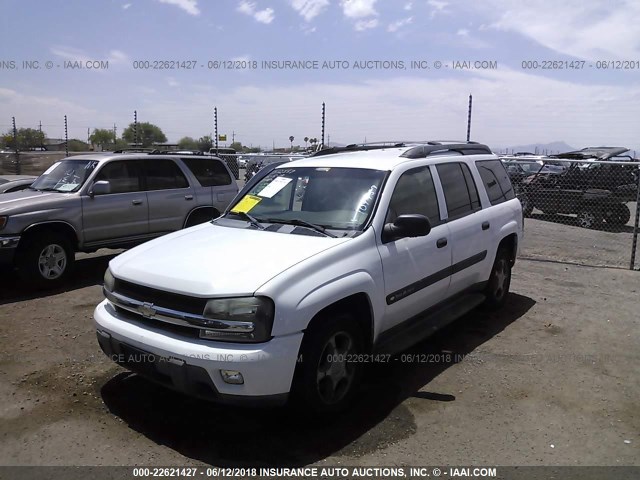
(210, 260)
(29, 201)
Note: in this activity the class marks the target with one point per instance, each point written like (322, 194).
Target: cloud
(395, 26)
(246, 7)
(362, 25)
(172, 82)
(114, 57)
(189, 6)
(126, 6)
(265, 16)
(510, 108)
(358, 8)
(437, 7)
(309, 9)
(587, 29)
(463, 32)
(408, 6)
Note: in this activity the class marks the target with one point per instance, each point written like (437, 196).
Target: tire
(618, 214)
(589, 218)
(327, 375)
(499, 281)
(527, 205)
(45, 260)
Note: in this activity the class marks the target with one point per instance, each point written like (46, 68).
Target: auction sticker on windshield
(274, 187)
(246, 204)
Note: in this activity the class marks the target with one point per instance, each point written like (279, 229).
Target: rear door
(215, 186)
(121, 214)
(469, 225)
(170, 196)
(416, 270)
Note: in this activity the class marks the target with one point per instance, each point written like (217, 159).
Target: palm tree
(306, 139)
(291, 140)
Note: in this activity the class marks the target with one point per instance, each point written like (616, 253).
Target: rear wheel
(618, 214)
(499, 281)
(589, 218)
(328, 372)
(46, 260)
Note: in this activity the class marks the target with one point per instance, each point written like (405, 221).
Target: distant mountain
(537, 148)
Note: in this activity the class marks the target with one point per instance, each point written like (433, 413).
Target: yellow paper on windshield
(246, 204)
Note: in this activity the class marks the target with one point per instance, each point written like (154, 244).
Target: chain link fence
(579, 211)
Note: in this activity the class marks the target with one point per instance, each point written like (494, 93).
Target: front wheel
(499, 281)
(328, 371)
(45, 261)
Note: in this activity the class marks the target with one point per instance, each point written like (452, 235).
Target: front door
(121, 214)
(416, 270)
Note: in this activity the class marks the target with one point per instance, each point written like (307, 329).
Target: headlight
(3, 221)
(109, 281)
(245, 319)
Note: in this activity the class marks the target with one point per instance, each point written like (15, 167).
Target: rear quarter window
(496, 181)
(208, 171)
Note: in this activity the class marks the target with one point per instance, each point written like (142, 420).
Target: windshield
(333, 198)
(65, 176)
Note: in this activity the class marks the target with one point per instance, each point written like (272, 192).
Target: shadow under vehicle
(595, 189)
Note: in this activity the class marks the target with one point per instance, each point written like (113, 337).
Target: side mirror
(102, 187)
(410, 225)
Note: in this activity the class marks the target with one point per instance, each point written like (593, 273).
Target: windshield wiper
(301, 223)
(252, 221)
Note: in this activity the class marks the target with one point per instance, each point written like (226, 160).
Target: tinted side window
(163, 175)
(414, 193)
(496, 180)
(460, 191)
(122, 175)
(208, 171)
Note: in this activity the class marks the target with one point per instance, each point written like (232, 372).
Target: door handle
(442, 242)
(136, 202)
(188, 197)
(485, 225)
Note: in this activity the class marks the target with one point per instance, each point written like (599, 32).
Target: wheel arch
(208, 210)
(357, 305)
(57, 226)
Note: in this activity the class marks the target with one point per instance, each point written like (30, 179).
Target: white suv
(318, 266)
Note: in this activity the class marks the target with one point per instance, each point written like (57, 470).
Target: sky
(386, 70)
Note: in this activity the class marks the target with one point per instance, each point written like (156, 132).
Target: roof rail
(463, 148)
(420, 148)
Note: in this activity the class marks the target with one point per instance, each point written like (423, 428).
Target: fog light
(232, 376)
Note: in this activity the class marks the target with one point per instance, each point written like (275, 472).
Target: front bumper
(8, 247)
(192, 366)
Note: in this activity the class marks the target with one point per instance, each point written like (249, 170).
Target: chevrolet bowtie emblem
(147, 310)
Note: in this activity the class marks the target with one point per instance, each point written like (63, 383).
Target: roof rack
(420, 149)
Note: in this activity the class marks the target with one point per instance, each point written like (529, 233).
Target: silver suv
(87, 202)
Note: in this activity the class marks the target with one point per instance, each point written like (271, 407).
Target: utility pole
(15, 146)
(233, 136)
(323, 124)
(135, 127)
(66, 137)
(215, 124)
(469, 119)
(115, 138)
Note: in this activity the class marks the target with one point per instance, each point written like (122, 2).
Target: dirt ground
(552, 379)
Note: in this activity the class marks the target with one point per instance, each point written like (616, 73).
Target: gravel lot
(550, 380)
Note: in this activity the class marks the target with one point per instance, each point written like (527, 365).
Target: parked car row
(589, 183)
